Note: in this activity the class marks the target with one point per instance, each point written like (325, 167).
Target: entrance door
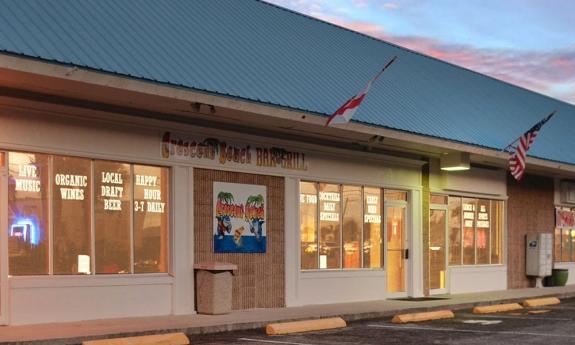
(397, 252)
(3, 241)
(437, 250)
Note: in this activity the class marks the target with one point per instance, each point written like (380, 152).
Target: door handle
(406, 254)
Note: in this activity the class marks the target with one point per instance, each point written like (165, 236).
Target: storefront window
(72, 214)
(352, 226)
(475, 230)
(329, 226)
(372, 233)
(349, 220)
(113, 216)
(564, 246)
(120, 209)
(150, 219)
(28, 220)
(308, 225)
(454, 230)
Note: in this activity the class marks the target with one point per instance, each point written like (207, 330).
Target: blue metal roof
(256, 51)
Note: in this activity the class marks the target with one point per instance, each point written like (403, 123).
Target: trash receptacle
(214, 287)
(560, 276)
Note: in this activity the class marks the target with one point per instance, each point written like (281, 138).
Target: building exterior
(139, 138)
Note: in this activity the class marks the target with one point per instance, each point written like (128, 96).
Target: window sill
(471, 268)
(339, 273)
(21, 282)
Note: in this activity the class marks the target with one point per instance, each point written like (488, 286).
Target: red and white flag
(518, 153)
(346, 111)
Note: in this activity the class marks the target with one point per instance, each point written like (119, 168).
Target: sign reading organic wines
(239, 218)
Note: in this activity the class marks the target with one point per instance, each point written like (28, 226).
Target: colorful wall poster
(239, 218)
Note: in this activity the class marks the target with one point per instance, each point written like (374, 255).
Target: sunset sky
(530, 43)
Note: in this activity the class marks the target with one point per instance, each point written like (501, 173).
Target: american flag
(344, 113)
(518, 153)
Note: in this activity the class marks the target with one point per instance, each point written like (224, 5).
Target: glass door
(437, 250)
(3, 241)
(397, 252)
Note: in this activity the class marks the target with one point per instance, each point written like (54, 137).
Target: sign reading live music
(228, 153)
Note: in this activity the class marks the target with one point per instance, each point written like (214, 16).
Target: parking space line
(273, 341)
(416, 328)
(499, 316)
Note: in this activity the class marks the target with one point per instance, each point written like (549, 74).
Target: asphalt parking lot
(552, 325)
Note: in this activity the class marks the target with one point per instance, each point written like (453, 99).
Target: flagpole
(385, 67)
(516, 140)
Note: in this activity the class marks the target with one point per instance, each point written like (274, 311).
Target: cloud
(551, 73)
(390, 6)
(548, 72)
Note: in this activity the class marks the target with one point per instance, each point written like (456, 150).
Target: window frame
(382, 189)
(503, 260)
(570, 236)
(169, 201)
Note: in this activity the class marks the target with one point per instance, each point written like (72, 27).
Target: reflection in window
(497, 232)
(150, 219)
(483, 231)
(469, 207)
(352, 223)
(308, 225)
(72, 215)
(557, 246)
(395, 195)
(438, 199)
(329, 226)
(28, 237)
(372, 234)
(112, 215)
(454, 230)
(566, 245)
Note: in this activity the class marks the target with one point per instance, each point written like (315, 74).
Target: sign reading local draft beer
(239, 218)
(112, 190)
(227, 153)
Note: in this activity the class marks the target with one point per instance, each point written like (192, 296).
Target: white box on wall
(538, 254)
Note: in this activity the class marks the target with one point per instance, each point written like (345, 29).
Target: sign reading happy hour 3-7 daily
(239, 218)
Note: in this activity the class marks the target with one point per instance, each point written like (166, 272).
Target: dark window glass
(150, 219)
(113, 192)
(28, 209)
(308, 225)
(72, 215)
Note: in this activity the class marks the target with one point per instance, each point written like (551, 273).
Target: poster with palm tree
(239, 218)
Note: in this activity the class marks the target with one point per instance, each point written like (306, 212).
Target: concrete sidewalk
(76, 332)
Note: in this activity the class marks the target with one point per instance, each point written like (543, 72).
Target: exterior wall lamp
(455, 161)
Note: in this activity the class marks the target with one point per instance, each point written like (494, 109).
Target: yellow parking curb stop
(497, 308)
(155, 339)
(305, 326)
(537, 302)
(425, 316)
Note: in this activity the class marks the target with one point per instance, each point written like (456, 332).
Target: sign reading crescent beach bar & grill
(239, 218)
(224, 153)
